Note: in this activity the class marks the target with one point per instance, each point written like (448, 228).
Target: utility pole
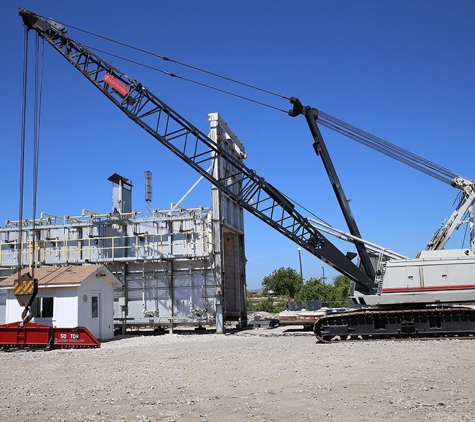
(300, 262)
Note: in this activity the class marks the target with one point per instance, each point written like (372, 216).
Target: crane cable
(376, 143)
(38, 84)
(327, 120)
(400, 154)
(39, 59)
(174, 75)
(413, 160)
(165, 58)
(22, 150)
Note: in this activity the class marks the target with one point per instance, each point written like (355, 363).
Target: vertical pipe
(171, 279)
(300, 264)
(126, 295)
(144, 303)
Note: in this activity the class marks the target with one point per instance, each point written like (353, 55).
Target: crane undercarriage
(405, 323)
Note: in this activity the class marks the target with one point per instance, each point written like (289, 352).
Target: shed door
(96, 315)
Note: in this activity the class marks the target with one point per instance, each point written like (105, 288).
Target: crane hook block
(25, 289)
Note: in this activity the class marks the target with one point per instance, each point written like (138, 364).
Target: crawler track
(380, 324)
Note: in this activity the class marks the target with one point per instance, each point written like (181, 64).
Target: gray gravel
(261, 374)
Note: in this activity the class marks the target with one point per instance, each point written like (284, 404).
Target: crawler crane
(424, 296)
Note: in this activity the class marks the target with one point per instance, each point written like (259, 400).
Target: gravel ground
(276, 374)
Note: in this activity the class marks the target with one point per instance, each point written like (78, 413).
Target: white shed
(69, 296)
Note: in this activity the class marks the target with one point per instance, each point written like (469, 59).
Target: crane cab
(441, 276)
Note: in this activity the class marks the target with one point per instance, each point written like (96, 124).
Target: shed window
(42, 307)
(95, 310)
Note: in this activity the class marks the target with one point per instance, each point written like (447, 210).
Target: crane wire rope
(406, 157)
(174, 75)
(206, 86)
(400, 154)
(201, 84)
(39, 60)
(432, 169)
(333, 123)
(38, 83)
(22, 151)
(165, 58)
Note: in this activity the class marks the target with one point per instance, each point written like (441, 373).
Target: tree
(341, 290)
(334, 294)
(314, 289)
(284, 281)
(265, 304)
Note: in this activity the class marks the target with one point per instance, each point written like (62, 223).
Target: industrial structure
(177, 266)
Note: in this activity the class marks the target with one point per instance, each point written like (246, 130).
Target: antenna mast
(148, 191)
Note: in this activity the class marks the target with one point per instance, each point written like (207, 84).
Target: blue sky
(402, 70)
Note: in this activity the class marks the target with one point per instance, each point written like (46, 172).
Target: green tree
(250, 302)
(334, 294)
(314, 289)
(341, 290)
(282, 282)
(271, 306)
(266, 304)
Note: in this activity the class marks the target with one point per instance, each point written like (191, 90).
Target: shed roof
(67, 275)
